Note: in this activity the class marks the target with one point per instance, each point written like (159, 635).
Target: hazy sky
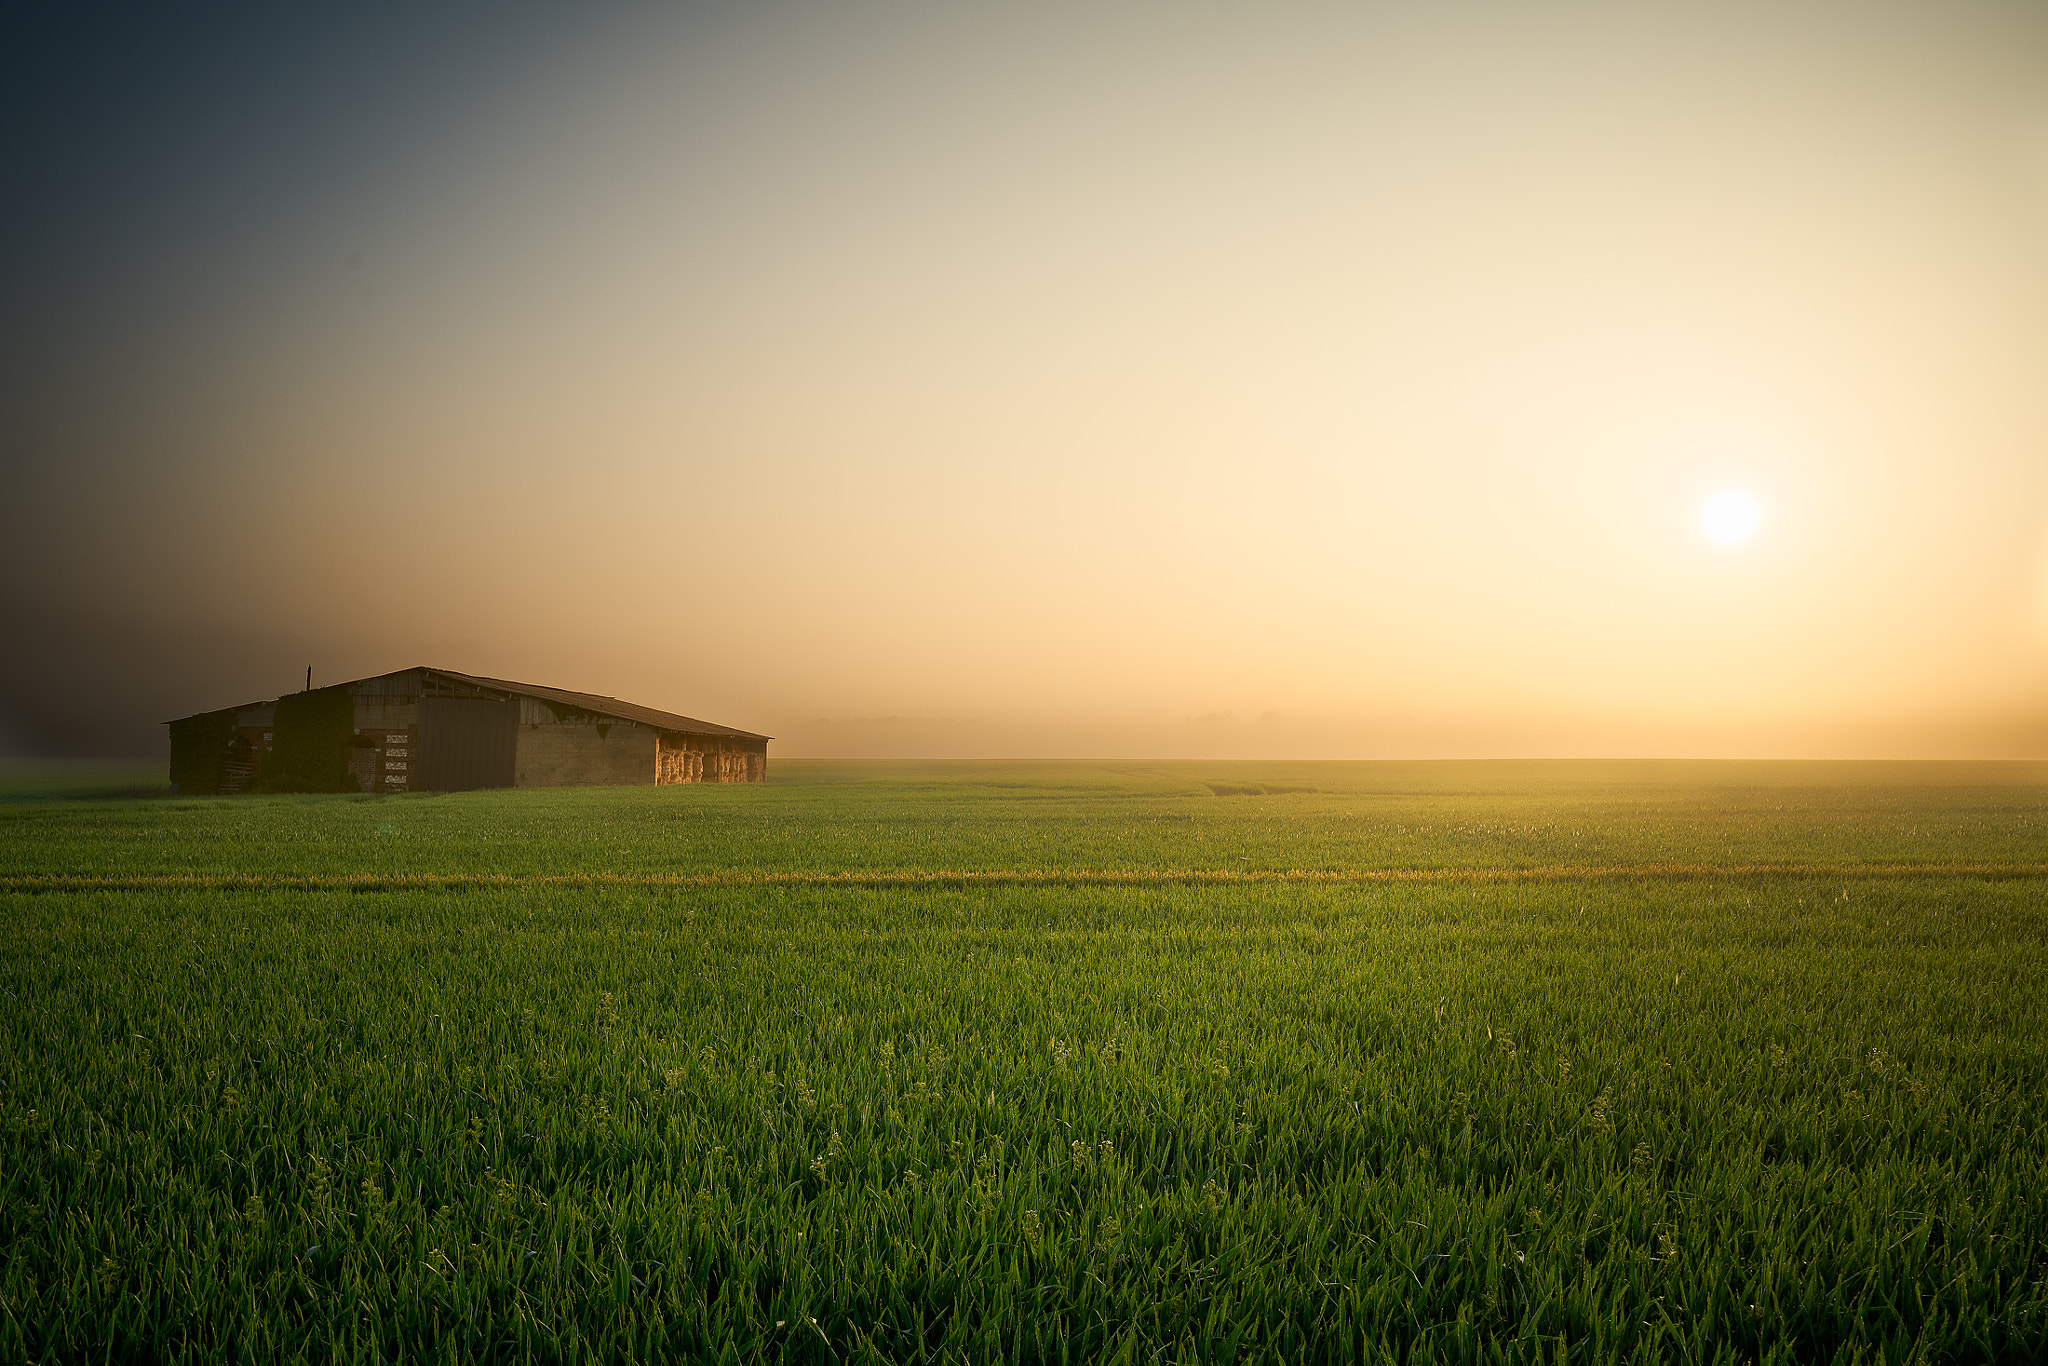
(1106, 379)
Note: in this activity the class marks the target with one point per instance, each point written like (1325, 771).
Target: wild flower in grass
(1597, 1118)
(1667, 1245)
(1642, 1155)
(1106, 1149)
(107, 1276)
(1060, 1052)
(1110, 1051)
(911, 1183)
(1079, 1153)
(804, 1096)
(1218, 1068)
(1564, 1071)
(886, 1049)
(1916, 1088)
(1108, 1233)
(230, 1100)
(1533, 1215)
(1213, 1196)
(1028, 1222)
(1877, 1060)
(438, 1262)
(1776, 1056)
(254, 1216)
(673, 1079)
(709, 1056)
(504, 1190)
(473, 1132)
(607, 1011)
(319, 1180)
(822, 1163)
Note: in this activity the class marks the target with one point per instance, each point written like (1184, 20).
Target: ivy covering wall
(310, 743)
(199, 745)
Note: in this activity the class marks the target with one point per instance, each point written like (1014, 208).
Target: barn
(434, 730)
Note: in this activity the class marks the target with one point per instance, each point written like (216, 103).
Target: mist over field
(1306, 380)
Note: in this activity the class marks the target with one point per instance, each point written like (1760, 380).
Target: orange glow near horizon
(1298, 380)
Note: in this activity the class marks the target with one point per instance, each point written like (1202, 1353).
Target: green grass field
(1217, 1062)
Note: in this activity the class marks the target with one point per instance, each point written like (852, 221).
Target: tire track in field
(958, 878)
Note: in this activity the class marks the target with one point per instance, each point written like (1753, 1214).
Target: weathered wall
(200, 749)
(220, 751)
(384, 756)
(254, 730)
(386, 751)
(583, 752)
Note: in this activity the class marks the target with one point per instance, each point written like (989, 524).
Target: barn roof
(581, 701)
(216, 711)
(604, 706)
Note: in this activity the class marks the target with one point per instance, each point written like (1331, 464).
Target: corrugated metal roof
(604, 706)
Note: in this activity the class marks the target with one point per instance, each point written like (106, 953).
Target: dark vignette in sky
(136, 142)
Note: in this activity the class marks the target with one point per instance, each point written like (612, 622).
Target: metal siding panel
(466, 744)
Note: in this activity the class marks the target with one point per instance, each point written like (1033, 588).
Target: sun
(1730, 517)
